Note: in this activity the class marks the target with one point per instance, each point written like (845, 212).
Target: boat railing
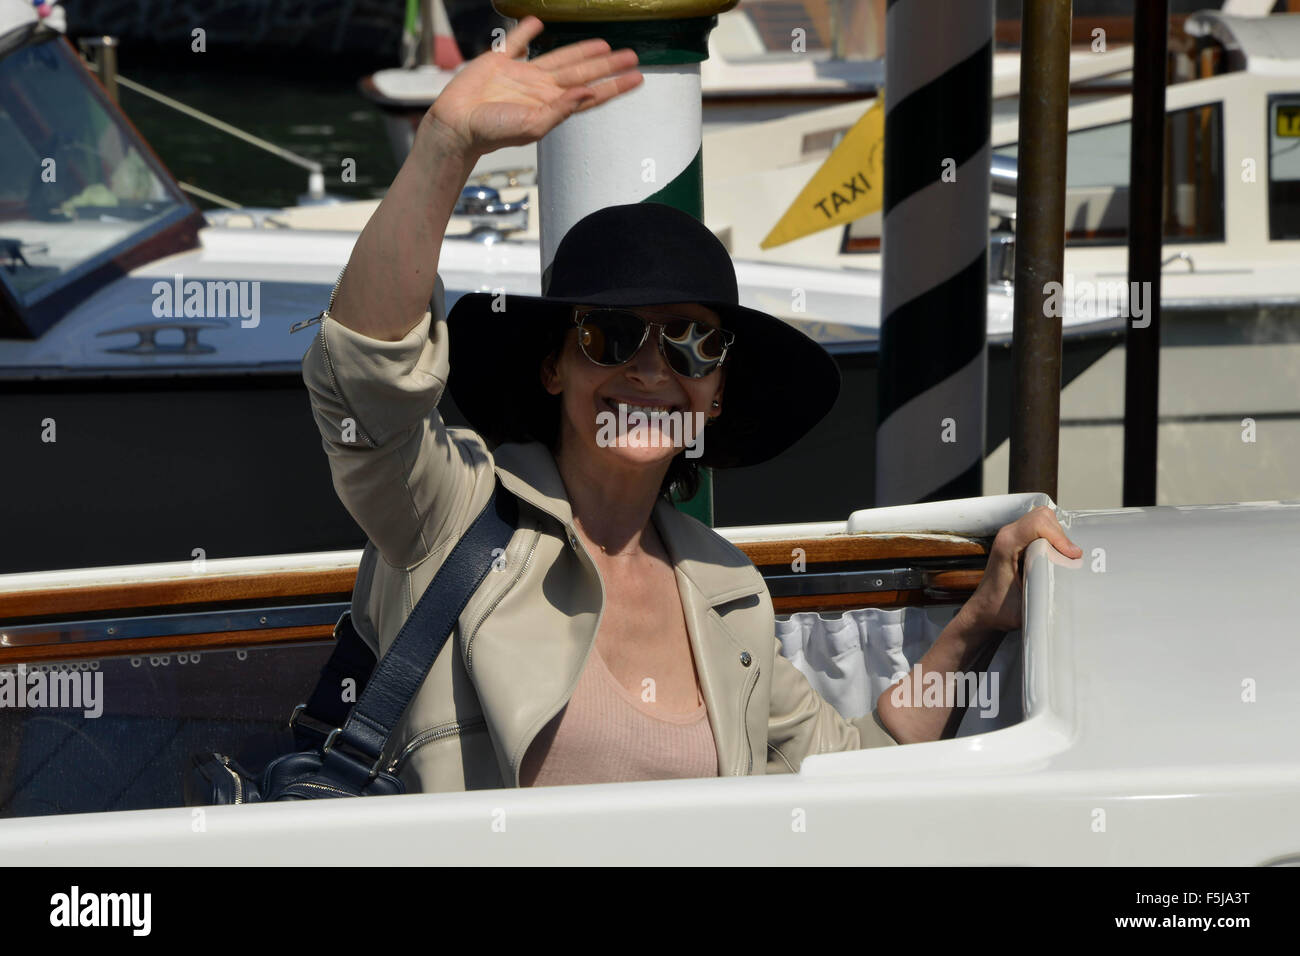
(171, 608)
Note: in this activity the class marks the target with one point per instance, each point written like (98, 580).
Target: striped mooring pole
(644, 146)
(933, 366)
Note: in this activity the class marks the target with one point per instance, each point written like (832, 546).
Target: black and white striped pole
(933, 367)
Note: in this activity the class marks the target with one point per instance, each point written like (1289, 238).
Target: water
(320, 117)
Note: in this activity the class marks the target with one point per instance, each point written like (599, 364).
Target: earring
(716, 403)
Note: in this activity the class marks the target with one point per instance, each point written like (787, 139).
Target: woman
(621, 639)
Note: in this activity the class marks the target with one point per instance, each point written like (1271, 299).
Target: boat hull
(151, 469)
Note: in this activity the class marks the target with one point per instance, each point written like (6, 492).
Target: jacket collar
(527, 469)
(719, 571)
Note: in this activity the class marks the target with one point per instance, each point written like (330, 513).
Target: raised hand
(498, 100)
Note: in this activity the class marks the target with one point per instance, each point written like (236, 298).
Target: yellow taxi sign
(1288, 122)
(848, 186)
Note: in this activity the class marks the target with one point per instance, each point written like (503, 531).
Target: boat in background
(1230, 334)
(154, 425)
(752, 74)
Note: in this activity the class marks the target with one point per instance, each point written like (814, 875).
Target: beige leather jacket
(414, 485)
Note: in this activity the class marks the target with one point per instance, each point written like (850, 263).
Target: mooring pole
(644, 146)
(1145, 239)
(108, 56)
(934, 301)
(1040, 246)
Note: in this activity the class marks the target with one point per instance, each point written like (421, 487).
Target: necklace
(632, 552)
(616, 554)
(604, 551)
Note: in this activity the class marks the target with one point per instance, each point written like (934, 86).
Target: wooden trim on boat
(167, 644)
(269, 585)
(954, 570)
(961, 580)
(44, 602)
(848, 602)
(860, 547)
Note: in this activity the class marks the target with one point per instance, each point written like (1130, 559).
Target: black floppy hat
(779, 382)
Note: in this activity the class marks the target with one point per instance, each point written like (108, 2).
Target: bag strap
(352, 752)
(352, 659)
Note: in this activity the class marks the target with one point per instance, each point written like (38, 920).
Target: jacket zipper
(324, 347)
(329, 368)
(324, 313)
(239, 783)
(329, 365)
(319, 786)
(744, 726)
(469, 643)
(451, 729)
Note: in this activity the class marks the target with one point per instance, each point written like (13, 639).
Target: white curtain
(851, 658)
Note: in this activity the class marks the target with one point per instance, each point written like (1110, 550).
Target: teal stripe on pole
(646, 146)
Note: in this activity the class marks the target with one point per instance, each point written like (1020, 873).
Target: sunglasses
(610, 337)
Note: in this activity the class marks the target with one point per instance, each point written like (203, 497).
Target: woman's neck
(611, 505)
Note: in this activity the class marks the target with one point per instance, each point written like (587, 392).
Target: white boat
(1229, 395)
(752, 73)
(1138, 708)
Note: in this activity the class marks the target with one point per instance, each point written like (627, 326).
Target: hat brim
(780, 383)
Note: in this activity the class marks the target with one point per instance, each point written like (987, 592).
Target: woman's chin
(642, 456)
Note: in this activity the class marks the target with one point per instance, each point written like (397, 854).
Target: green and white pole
(644, 146)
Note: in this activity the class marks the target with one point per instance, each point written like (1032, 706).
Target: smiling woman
(620, 623)
(642, 311)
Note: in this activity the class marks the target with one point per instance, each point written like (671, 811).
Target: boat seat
(852, 657)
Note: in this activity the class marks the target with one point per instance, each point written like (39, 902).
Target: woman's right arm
(495, 100)
(378, 366)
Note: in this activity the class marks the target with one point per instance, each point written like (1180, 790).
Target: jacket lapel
(528, 471)
(711, 573)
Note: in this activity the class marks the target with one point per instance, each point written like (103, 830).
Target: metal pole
(428, 34)
(1040, 245)
(1145, 236)
(108, 66)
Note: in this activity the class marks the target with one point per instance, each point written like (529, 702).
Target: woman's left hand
(996, 603)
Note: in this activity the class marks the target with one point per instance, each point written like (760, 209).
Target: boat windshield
(77, 186)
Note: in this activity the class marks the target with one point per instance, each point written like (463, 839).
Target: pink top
(607, 734)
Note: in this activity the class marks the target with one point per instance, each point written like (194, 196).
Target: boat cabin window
(77, 186)
(1097, 179)
(1284, 166)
